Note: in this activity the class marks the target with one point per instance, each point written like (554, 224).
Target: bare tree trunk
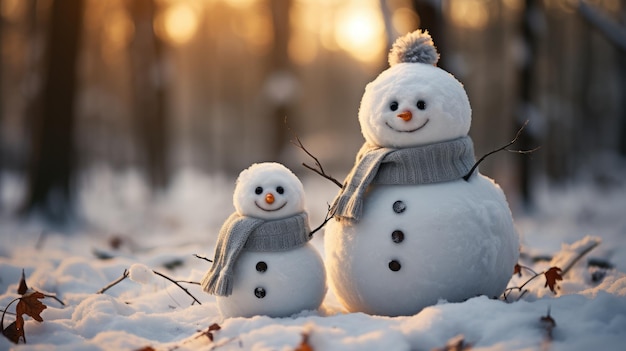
(1, 107)
(53, 151)
(280, 74)
(431, 19)
(615, 33)
(149, 92)
(526, 104)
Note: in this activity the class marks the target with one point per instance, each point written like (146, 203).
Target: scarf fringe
(218, 284)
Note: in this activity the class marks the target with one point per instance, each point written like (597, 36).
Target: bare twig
(318, 166)
(507, 291)
(203, 258)
(40, 240)
(519, 132)
(580, 255)
(52, 296)
(115, 282)
(178, 285)
(328, 217)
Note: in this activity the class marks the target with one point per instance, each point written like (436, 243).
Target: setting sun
(178, 23)
(360, 31)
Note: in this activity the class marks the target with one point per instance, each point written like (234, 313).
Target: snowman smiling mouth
(409, 130)
(269, 209)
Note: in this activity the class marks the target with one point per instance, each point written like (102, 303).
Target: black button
(399, 207)
(397, 236)
(259, 292)
(261, 267)
(395, 265)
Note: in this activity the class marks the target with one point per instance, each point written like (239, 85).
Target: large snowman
(410, 231)
(264, 263)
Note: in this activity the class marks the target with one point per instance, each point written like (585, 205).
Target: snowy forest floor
(124, 227)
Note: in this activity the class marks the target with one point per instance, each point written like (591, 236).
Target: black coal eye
(393, 106)
(421, 104)
(280, 190)
(258, 190)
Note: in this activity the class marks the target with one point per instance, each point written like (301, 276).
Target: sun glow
(359, 30)
(471, 14)
(177, 23)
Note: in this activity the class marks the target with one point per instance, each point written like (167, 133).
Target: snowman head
(414, 103)
(268, 191)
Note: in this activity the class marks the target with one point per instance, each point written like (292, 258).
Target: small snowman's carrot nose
(406, 115)
(269, 198)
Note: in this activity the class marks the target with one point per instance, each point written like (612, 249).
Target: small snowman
(264, 263)
(410, 230)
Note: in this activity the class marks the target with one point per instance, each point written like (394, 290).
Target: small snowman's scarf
(254, 234)
(439, 162)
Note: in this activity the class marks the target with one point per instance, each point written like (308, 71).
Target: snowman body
(276, 284)
(420, 244)
(404, 241)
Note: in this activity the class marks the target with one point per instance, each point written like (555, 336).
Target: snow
(185, 221)
(140, 273)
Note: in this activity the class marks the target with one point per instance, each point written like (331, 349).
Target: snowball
(140, 273)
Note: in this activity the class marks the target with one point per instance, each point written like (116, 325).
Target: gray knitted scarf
(248, 233)
(439, 162)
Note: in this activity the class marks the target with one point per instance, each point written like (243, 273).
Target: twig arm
(505, 147)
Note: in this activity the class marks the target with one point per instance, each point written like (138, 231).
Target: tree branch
(611, 30)
(519, 132)
(318, 166)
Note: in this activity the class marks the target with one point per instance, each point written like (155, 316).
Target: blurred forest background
(163, 85)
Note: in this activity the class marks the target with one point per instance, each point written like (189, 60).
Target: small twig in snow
(519, 132)
(41, 239)
(580, 255)
(115, 282)
(52, 296)
(178, 285)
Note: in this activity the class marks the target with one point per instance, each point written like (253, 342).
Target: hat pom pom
(415, 47)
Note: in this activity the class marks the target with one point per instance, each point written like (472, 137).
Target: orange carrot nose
(269, 198)
(406, 115)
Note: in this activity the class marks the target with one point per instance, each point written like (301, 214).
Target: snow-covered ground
(126, 228)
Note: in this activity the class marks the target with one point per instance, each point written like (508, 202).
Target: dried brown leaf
(13, 333)
(23, 288)
(548, 323)
(517, 270)
(552, 276)
(304, 344)
(146, 348)
(29, 305)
